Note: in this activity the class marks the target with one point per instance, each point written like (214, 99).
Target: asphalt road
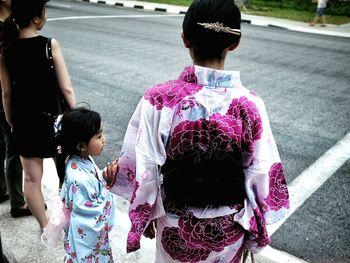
(114, 54)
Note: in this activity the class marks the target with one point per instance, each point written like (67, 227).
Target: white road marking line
(271, 255)
(108, 16)
(303, 186)
(59, 5)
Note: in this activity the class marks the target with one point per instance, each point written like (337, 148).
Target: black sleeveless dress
(33, 95)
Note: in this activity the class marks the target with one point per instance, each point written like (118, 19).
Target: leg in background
(14, 172)
(3, 186)
(33, 173)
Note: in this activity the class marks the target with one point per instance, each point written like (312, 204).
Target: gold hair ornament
(219, 27)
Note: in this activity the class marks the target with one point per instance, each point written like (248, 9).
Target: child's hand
(110, 171)
(150, 231)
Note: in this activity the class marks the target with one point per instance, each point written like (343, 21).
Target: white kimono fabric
(92, 210)
(203, 111)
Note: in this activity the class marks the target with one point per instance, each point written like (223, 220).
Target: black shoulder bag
(62, 104)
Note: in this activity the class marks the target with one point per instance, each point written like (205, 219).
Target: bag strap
(49, 52)
(58, 91)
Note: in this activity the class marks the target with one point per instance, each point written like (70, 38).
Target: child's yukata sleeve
(143, 152)
(267, 195)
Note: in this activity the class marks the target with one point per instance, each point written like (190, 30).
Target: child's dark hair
(78, 125)
(209, 43)
(22, 13)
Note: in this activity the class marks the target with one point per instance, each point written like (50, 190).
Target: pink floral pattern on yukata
(74, 186)
(220, 134)
(169, 94)
(213, 234)
(246, 111)
(196, 238)
(74, 166)
(72, 254)
(88, 203)
(278, 193)
(139, 218)
(189, 75)
(106, 213)
(81, 232)
(100, 249)
(178, 249)
(185, 105)
(258, 229)
(130, 174)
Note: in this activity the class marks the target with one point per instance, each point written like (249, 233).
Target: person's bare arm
(62, 74)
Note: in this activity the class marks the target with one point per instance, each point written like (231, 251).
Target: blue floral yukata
(210, 114)
(92, 211)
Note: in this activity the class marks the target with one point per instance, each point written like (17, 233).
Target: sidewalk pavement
(20, 236)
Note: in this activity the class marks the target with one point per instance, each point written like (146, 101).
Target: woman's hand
(110, 172)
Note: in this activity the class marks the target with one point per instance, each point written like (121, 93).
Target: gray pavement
(20, 236)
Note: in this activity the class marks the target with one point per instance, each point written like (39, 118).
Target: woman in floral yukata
(84, 193)
(199, 163)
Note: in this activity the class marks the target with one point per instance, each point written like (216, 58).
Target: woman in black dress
(29, 93)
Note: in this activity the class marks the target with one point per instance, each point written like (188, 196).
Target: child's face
(96, 143)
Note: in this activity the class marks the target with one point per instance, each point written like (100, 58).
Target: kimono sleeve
(143, 152)
(123, 184)
(267, 195)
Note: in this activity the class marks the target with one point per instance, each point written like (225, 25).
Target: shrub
(334, 7)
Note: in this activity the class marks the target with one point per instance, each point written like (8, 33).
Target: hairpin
(219, 27)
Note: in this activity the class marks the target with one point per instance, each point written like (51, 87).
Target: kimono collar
(87, 164)
(211, 77)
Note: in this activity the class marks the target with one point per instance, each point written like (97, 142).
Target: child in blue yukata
(84, 195)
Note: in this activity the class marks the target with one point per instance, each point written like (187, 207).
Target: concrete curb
(330, 30)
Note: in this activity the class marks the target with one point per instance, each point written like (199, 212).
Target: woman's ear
(234, 46)
(36, 20)
(187, 44)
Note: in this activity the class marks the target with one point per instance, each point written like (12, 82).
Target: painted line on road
(108, 16)
(302, 187)
(272, 255)
(141, 5)
(61, 6)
